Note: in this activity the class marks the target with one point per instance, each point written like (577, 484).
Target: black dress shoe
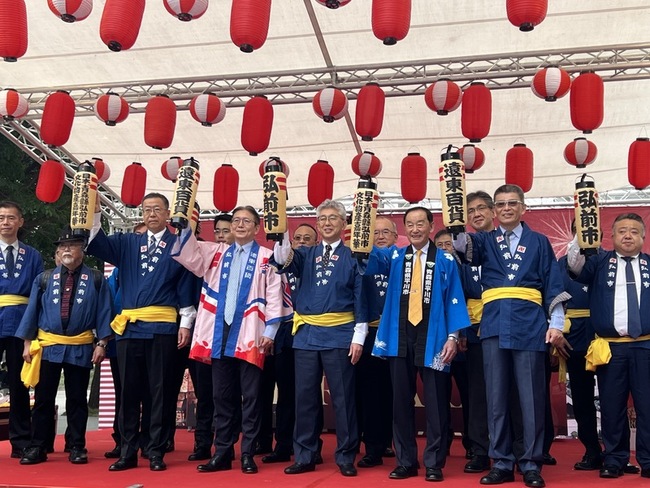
(589, 463)
(469, 453)
(347, 469)
(248, 465)
(497, 476)
(216, 463)
(113, 454)
(299, 468)
(78, 455)
(123, 464)
(630, 468)
(17, 452)
(403, 472)
(533, 479)
(370, 461)
(388, 452)
(33, 455)
(200, 454)
(156, 463)
(549, 460)
(610, 471)
(276, 457)
(433, 474)
(478, 464)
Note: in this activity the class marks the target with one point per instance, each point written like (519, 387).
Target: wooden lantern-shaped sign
(249, 23)
(187, 184)
(58, 116)
(587, 214)
(638, 163)
(519, 167)
(320, 183)
(71, 10)
(364, 213)
(414, 178)
(12, 105)
(159, 122)
(13, 29)
(134, 184)
(225, 188)
(84, 195)
(451, 173)
(51, 178)
(274, 186)
(120, 23)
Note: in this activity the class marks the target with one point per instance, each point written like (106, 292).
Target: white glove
(281, 250)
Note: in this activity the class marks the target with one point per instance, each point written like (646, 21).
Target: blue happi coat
(582, 332)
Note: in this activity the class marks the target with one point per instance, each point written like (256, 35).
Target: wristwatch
(102, 345)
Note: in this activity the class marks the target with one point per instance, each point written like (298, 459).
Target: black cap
(67, 236)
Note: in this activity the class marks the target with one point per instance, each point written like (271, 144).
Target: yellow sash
(574, 313)
(374, 323)
(503, 292)
(475, 310)
(331, 319)
(599, 352)
(8, 300)
(31, 372)
(154, 313)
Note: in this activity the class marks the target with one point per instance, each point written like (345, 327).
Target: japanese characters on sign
(587, 215)
(452, 191)
(84, 194)
(187, 184)
(275, 204)
(366, 201)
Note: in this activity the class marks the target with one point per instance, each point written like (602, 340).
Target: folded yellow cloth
(7, 300)
(331, 319)
(504, 292)
(154, 313)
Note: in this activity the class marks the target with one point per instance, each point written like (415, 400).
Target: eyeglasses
(507, 203)
(155, 210)
(328, 218)
(236, 221)
(384, 232)
(480, 208)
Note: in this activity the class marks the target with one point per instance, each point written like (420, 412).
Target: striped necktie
(152, 245)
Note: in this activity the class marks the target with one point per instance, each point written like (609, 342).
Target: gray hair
(333, 204)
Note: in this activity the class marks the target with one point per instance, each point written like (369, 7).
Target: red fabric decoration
(638, 163)
(51, 177)
(12, 105)
(414, 178)
(370, 111)
(473, 157)
(476, 112)
(443, 96)
(256, 125)
(519, 167)
(102, 170)
(169, 168)
(526, 14)
(111, 109)
(580, 152)
(71, 10)
(320, 183)
(274, 159)
(333, 3)
(551, 83)
(249, 23)
(226, 187)
(13, 29)
(186, 10)
(120, 24)
(134, 184)
(208, 109)
(58, 116)
(391, 20)
(586, 101)
(330, 104)
(366, 164)
(159, 122)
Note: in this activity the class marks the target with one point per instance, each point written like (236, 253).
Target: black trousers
(145, 365)
(179, 365)
(584, 409)
(76, 380)
(460, 375)
(477, 427)
(19, 409)
(201, 375)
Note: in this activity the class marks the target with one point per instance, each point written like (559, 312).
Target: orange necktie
(415, 294)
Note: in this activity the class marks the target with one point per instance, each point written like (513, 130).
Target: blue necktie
(508, 235)
(152, 245)
(327, 255)
(633, 314)
(9, 260)
(233, 286)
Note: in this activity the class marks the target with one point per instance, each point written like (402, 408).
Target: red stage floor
(58, 472)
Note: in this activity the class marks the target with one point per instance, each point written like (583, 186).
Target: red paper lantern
(58, 116)
(274, 160)
(414, 178)
(580, 152)
(226, 187)
(370, 111)
(12, 105)
(638, 163)
(526, 14)
(476, 112)
(102, 170)
(330, 104)
(586, 101)
(71, 10)
(256, 125)
(208, 109)
(366, 164)
(551, 83)
(120, 24)
(169, 168)
(51, 177)
(13, 29)
(333, 4)
(443, 96)
(320, 183)
(159, 122)
(249, 23)
(186, 10)
(519, 167)
(111, 109)
(134, 184)
(391, 20)
(473, 157)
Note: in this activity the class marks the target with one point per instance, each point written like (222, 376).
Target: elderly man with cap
(65, 305)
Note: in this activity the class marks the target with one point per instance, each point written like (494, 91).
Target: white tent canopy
(310, 47)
